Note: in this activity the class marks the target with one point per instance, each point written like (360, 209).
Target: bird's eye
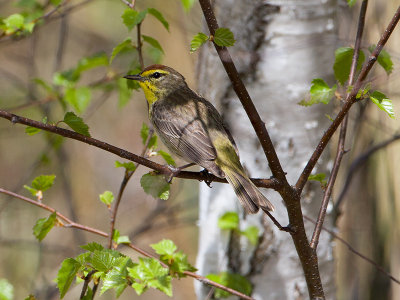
(156, 75)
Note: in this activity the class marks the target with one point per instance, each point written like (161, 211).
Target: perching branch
(350, 100)
(70, 223)
(342, 135)
(265, 183)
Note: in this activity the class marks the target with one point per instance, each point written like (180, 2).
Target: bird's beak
(135, 77)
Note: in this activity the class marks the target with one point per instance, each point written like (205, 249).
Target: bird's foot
(174, 171)
(206, 176)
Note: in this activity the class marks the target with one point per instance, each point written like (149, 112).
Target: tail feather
(249, 195)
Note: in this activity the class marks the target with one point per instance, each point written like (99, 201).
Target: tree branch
(350, 100)
(244, 97)
(265, 183)
(342, 135)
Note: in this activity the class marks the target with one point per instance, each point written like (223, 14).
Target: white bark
(281, 46)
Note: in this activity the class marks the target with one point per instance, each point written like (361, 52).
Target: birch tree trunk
(281, 46)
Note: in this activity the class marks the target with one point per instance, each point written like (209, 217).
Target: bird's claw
(173, 171)
(206, 176)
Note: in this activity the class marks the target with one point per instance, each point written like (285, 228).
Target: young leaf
(165, 247)
(129, 166)
(44, 225)
(126, 45)
(383, 102)
(13, 23)
(107, 198)
(351, 2)
(187, 4)
(320, 92)
(6, 290)
(90, 62)
(76, 123)
(144, 133)
(158, 15)
(224, 37)
(150, 272)
(251, 233)
(155, 185)
(320, 177)
(342, 65)
(152, 42)
(229, 221)
(31, 130)
(91, 247)
(43, 182)
(132, 17)
(198, 40)
(124, 92)
(384, 59)
(234, 281)
(66, 275)
(167, 157)
(78, 98)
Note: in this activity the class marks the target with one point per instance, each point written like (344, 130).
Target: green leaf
(116, 277)
(126, 45)
(44, 225)
(132, 17)
(187, 4)
(224, 37)
(229, 221)
(152, 42)
(79, 98)
(158, 15)
(6, 290)
(66, 275)
(144, 133)
(198, 40)
(342, 65)
(139, 288)
(155, 185)
(384, 59)
(383, 103)
(167, 157)
(107, 198)
(320, 177)
(90, 62)
(129, 166)
(14, 22)
(104, 260)
(164, 247)
(153, 274)
(351, 2)
(124, 92)
(320, 92)
(178, 263)
(66, 78)
(43, 182)
(29, 130)
(91, 247)
(234, 281)
(47, 87)
(31, 190)
(123, 239)
(155, 55)
(76, 123)
(251, 233)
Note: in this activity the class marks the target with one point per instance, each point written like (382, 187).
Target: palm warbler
(192, 128)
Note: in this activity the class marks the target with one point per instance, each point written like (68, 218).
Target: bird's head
(158, 81)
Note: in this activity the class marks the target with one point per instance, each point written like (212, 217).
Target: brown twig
(72, 224)
(265, 183)
(335, 236)
(342, 135)
(139, 45)
(350, 100)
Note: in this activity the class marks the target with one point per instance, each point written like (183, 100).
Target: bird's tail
(249, 195)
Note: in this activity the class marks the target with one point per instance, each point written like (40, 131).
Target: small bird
(192, 128)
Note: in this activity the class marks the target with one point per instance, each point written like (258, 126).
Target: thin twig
(376, 265)
(139, 45)
(265, 183)
(342, 135)
(137, 249)
(350, 100)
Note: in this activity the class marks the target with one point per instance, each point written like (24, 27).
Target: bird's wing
(185, 134)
